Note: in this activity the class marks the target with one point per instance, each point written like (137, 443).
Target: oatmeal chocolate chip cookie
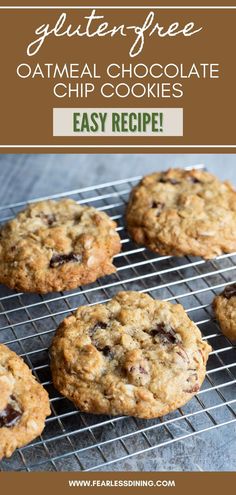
(132, 356)
(183, 212)
(55, 246)
(225, 310)
(24, 403)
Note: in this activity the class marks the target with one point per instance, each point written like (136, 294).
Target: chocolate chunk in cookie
(61, 259)
(10, 415)
(166, 334)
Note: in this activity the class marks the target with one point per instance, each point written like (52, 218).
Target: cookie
(24, 403)
(131, 356)
(56, 246)
(183, 212)
(225, 310)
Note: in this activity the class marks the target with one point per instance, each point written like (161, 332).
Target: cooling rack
(74, 441)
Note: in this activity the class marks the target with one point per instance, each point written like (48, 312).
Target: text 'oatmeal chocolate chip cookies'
(133, 355)
(225, 310)
(183, 212)
(55, 246)
(24, 403)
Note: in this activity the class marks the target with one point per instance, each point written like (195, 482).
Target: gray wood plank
(27, 176)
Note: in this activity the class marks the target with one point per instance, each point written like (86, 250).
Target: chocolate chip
(101, 325)
(60, 259)
(77, 218)
(106, 351)
(194, 180)
(229, 291)
(166, 335)
(9, 416)
(165, 180)
(49, 218)
(158, 206)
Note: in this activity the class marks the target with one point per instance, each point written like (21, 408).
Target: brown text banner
(122, 483)
(116, 58)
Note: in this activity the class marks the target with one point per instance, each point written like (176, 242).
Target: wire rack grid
(74, 441)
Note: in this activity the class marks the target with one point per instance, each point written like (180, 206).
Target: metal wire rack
(73, 441)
